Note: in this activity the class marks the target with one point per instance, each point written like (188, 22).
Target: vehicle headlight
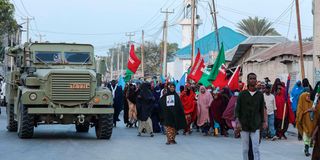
(33, 96)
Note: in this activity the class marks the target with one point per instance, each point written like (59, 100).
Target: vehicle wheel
(104, 126)
(25, 123)
(12, 125)
(83, 128)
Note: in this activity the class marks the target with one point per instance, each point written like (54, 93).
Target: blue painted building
(208, 49)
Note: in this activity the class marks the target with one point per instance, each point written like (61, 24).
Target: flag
(163, 80)
(204, 79)
(121, 82)
(197, 68)
(182, 82)
(128, 75)
(234, 80)
(217, 64)
(133, 64)
(221, 79)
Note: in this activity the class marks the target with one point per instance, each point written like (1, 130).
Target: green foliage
(7, 22)
(152, 52)
(256, 27)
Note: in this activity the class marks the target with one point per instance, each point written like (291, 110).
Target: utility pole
(28, 23)
(316, 39)
(214, 14)
(111, 68)
(40, 36)
(118, 61)
(193, 14)
(121, 60)
(300, 40)
(130, 34)
(165, 39)
(142, 54)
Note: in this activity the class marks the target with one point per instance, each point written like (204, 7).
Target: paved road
(56, 142)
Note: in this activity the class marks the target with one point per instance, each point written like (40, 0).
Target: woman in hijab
(295, 94)
(156, 110)
(188, 101)
(218, 106)
(281, 110)
(306, 85)
(172, 114)
(145, 103)
(132, 96)
(204, 102)
(305, 125)
(229, 113)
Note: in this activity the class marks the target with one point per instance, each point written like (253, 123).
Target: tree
(7, 22)
(152, 60)
(256, 27)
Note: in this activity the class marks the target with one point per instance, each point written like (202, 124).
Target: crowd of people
(256, 110)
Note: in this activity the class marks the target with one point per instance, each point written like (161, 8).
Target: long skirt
(171, 134)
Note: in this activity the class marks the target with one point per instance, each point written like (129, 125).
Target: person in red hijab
(289, 116)
(218, 106)
(188, 101)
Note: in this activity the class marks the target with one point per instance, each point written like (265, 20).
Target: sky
(105, 23)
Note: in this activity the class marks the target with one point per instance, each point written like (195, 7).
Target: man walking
(250, 116)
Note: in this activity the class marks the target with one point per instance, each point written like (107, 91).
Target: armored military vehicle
(55, 83)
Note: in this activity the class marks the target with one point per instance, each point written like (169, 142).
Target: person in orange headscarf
(187, 97)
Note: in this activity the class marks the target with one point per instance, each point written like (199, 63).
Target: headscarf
(145, 91)
(295, 94)
(204, 98)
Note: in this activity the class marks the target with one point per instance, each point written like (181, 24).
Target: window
(77, 57)
(47, 57)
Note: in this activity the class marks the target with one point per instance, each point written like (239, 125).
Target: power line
(25, 9)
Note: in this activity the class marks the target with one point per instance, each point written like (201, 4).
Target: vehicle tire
(25, 123)
(12, 125)
(82, 128)
(104, 126)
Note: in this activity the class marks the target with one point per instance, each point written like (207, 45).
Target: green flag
(217, 64)
(128, 75)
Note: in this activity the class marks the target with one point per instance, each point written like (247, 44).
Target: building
(208, 49)
(280, 60)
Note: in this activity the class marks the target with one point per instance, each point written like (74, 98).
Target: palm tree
(256, 27)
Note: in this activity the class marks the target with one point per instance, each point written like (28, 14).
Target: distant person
(304, 123)
(172, 114)
(145, 105)
(271, 109)
(306, 85)
(284, 112)
(250, 116)
(132, 99)
(117, 94)
(204, 102)
(188, 99)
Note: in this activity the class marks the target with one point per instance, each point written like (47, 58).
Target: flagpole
(193, 5)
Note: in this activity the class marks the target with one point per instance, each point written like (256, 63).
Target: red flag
(221, 79)
(133, 61)
(197, 68)
(234, 80)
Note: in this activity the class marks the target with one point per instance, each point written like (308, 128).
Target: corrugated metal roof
(208, 43)
(289, 48)
(257, 40)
